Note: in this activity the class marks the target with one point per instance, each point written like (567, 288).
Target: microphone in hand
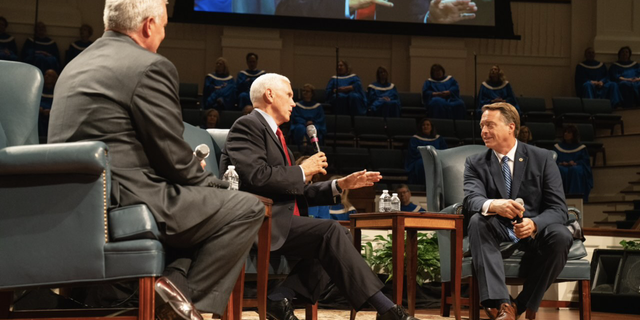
(201, 151)
(519, 201)
(313, 136)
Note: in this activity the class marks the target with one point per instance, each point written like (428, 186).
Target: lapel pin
(521, 159)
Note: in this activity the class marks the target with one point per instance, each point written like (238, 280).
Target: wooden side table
(412, 222)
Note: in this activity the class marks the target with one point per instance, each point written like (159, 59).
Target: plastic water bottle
(231, 176)
(395, 203)
(385, 202)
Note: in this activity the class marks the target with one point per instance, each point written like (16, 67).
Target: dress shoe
(280, 310)
(395, 313)
(171, 304)
(494, 313)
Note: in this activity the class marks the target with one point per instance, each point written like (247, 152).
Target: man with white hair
(257, 148)
(121, 92)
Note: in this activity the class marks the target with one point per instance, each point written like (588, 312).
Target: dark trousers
(211, 254)
(544, 259)
(327, 253)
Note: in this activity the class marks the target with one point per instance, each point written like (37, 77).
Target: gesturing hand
(314, 165)
(506, 208)
(451, 11)
(359, 179)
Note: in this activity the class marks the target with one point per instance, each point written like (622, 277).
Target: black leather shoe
(171, 304)
(395, 313)
(280, 310)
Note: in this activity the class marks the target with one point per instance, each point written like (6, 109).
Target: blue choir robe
(8, 48)
(43, 54)
(630, 91)
(339, 212)
(413, 164)
(243, 83)
(588, 71)
(489, 92)
(411, 207)
(576, 179)
(443, 108)
(319, 212)
(353, 103)
(376, 94)
(46, 101)
(213, 5)
(75, 49)
(219, 87)
(303, 112)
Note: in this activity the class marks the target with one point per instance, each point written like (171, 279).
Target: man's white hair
(264, 82)
(128, 15)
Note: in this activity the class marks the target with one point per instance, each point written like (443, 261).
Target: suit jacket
(536, 179)
(119, 93)
(262, 167)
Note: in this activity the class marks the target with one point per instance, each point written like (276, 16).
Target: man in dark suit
(121, 92)
(255, 145)
(492, 180)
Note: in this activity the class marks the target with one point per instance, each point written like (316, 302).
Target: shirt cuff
(304, 179)
(485, 208)
(334, 188)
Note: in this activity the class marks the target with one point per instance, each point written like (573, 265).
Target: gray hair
(264, 82)
(128, 15)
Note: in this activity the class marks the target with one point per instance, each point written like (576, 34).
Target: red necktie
(368, 13)
(286, 152)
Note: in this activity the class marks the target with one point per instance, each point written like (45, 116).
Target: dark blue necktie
(506, 173)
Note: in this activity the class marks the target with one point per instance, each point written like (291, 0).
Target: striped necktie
(506, 172)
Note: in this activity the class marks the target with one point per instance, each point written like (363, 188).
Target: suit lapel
(273, 136)
(518, 168)
(496, 174)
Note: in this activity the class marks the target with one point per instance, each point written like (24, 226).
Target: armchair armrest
(132, 222)
(75, 157)
(455, 208)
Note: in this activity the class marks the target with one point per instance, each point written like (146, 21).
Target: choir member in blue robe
(351, 99)
(427, 136)
(592, 81)
(405, 200)
(627, 74)
(319, 212)
(213, 5)
(382, 96)
(573, 162)
(43, 52)
(86, 31)
(210, 119)
(307, 112)
(441, 96)
(245, 79)
(219, 88)
(8, 47)
(496, 89)
(341, 212)
(46, 100)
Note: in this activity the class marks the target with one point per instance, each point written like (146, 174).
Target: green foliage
(380, 257)
(630, 245)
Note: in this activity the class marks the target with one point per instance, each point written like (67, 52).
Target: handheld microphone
(520, 202)
(313, 135)
(201, 151)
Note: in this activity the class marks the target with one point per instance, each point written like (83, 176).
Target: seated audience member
(525, 135)
(426, 136)
(219, 88)
(627, 74)
(41, 52)
(210, 119)
(405, 200)
(79, 45)
(246, 77)
(8, 47)
(382, 96)
(205, 229)
(573, 162)
(247, 109)
(46, 101)
(307, 112)
(495, 89)
(344, 92)
(592, 81)
(441, 95)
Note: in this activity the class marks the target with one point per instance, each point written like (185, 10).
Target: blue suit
(537, 181)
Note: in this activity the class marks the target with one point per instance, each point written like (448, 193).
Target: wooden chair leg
(311, 311)
(264, 255)
(6, 299)
(584, 290)
(530, 314)
(238, 295)
(445, 308)
(474, 299)
(228, 313)
(146, 307)
(352, 314)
